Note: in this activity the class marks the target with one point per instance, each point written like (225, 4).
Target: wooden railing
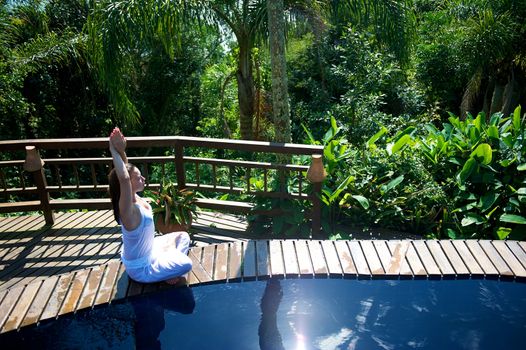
(72, 173)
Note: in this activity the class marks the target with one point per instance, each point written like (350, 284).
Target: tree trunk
(245, 88)
(496, 99)
(511, 95)
(280, 97)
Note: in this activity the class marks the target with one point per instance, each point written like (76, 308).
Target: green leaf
(513, 219)
(503, 232)
(483, 151)
(517, 119)
(400, 143)
(488, 200)
(375, 137)
(451, 233)
(521, 167)
(472, 219)
(392, 184)
(493, 132)
(466, 171)
(309, 134)
(362, 200)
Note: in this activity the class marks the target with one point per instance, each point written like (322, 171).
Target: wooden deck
(51, 271)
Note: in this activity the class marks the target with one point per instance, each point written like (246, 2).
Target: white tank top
(137, 244)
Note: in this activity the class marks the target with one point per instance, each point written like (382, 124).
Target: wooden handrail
(55, 169)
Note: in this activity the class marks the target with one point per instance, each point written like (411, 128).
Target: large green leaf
(517, 119)
(376, 137)
(466, 171)
(484, 152)
(487, 200)
(398, 145)
(521, 167)
(503, 232)
(392, 184)
(362, 200)
(472, 218)
(513, 219)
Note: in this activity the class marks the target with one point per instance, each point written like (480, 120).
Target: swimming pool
(300, 314)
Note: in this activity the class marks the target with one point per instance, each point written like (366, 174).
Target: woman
(146, 259)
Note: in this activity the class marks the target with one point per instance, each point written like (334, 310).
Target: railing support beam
(34, 165)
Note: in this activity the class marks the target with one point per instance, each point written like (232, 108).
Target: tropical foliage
(416, 101)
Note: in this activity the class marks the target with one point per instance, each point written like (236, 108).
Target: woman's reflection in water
(149, 312)
(269, 336)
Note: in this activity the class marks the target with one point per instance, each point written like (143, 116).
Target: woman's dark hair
(115, 189)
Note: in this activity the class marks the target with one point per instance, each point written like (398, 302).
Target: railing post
(179, 166)
(316, 174)
(34, 165)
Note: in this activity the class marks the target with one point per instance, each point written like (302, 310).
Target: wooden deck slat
(106, 285)
(87, 297)
(427, 259)
(480, 256)
(331, 258)
(372, 258)
(415, 264)
(440, 258)
(383, 253)
(249, 261)
(458, 265)
(289, 258)
(467, 257)
(276, 259)
(134, 288)
(221, 269)
(75, 291)
(234, 264)
(499, 263)
(398, 264)
(510, 259)
(262, 256)
(200, 273)
(8, 303)
(208, 259)
(304, 259)
(121, 283)
(346, 259)
(518, 253)
(318, 261)
(21, 307)
(36, 309)
(57, 297)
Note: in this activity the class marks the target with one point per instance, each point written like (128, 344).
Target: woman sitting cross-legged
(146, 258)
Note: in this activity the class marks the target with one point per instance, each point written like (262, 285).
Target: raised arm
(129, 214)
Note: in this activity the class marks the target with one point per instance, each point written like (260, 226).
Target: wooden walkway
(100, 277)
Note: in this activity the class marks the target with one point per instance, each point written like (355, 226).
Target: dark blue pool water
(300, 314)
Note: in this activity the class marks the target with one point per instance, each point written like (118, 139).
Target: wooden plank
(518, 253)
(121, 284)
(461, 270)
(440, 258)
(372, 258)
(429, 263)
(415, 264)
(221, 269)
(510, 259)
(276, 259)
(304, 259)
(108, 280)
(8, 303)
(134, 288)
(398, 264)
(359, 258)
(499, 263)
(383, 253)
(249, 260)
(289, 258)
(75, 291)
(482, 259)
(331, 257)
(198, 270)
(234, 265)
(57, 297)
(345, 257)
(262, 256)
(93, 281)
(40, 300)
(318, 261)
(468, 258)
(208, 259)
(22, 305)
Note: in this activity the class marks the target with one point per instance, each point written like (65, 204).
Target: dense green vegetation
(417, 102)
